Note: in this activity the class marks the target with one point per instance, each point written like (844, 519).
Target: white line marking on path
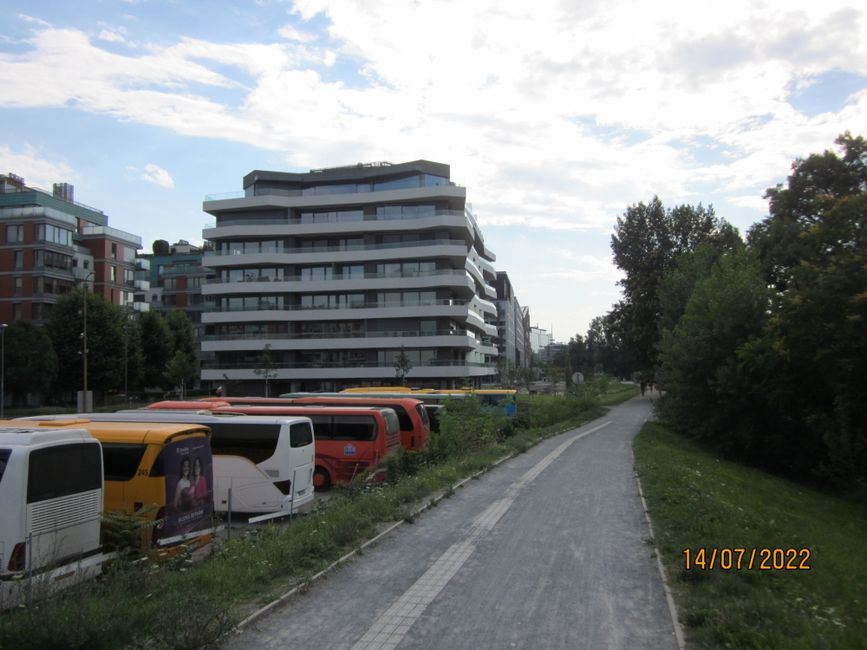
(392, 625)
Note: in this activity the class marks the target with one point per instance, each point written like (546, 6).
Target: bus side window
(322, 427)
(355, 428)
(300, 435)
(121, 461)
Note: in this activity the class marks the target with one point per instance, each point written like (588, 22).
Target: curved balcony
(435, 248)
(456, 309)
(229, 227)
(462, 339)
(453, 278)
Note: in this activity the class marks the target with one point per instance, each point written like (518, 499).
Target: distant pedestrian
(643, 387)
(219, 391)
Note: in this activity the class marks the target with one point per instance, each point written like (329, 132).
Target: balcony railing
(326, 218)
(334, 335)
(338, 249)
(358, 305)
(339, 277)
(293, 365)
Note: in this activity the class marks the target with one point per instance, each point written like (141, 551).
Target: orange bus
(348, 439)
(411, 415)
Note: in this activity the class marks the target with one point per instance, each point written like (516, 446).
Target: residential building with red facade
(49, 244)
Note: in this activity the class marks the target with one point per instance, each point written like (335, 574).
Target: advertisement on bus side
(189, 486)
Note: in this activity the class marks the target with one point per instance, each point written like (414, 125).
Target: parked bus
(160, 471)
(349, 440)
(411, 416)
(500, 400)
(266, 462)
(51, 498)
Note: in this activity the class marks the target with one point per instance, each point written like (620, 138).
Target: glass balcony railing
(334, 335)
(325, 218)
(336, 249)
(264, 306)
(294, 365)
(340, 277)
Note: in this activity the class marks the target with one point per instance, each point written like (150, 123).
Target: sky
(556, 115)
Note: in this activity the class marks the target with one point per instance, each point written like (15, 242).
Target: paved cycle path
(548, 550)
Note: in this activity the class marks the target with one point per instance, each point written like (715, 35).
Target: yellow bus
(162, 471)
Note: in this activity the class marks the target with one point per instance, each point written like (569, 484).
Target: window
(300, 435)
(113, 273)
(114, 251)
(14, 234)
(257, 443)
(19, 285)
(49, 476)
(121, 461)
(19, 259)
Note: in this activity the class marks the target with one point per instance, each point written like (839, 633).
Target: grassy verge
(698, 501)
(181, 605)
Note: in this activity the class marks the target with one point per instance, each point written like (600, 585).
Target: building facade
(343, 272)
(49, 244)
(512, 319)
(175, 282)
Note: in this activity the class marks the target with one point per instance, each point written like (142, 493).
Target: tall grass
(697, 500)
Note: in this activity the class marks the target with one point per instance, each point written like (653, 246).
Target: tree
(647, 241)
(816, 185)
(104, 342)
(701, 370)
(183, 337)
(31, 364)
(265, 367)
(157, 349)
(180, 371)
(813, 250)
(402, 366)
(161, 247)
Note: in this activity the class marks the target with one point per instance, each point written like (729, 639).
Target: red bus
(348, 440)
(412, 417)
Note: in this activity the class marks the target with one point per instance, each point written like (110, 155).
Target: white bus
(266, 461)
(50, 508)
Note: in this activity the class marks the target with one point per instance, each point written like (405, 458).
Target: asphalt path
(548, 550)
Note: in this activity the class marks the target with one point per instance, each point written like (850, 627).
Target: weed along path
(549, 549)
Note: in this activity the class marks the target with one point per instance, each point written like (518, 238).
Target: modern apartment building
(340, 272)
(49, 244)
(512, 324)
(175, 281)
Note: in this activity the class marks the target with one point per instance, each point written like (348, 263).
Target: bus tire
(321, 479)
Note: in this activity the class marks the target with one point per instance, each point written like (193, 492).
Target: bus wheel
(321, 480)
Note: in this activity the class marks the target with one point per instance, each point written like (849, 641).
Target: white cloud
(34, 166)
(290, 33)
(157, 175)
(555, 116)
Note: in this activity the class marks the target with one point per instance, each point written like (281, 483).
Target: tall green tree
(157, 349)
(104, 342)
(646, 244)
(181, 372)
(30, 363)
(707, 394)
(813, 250)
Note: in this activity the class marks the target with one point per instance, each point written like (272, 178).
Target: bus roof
(188, 416)
(131, 432)
(171, 404)
(18, 434)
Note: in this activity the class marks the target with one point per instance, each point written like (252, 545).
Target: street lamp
(85, 402)
(3, 327)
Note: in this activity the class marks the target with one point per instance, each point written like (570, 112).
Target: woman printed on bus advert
(200, 484)
(182, 492)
